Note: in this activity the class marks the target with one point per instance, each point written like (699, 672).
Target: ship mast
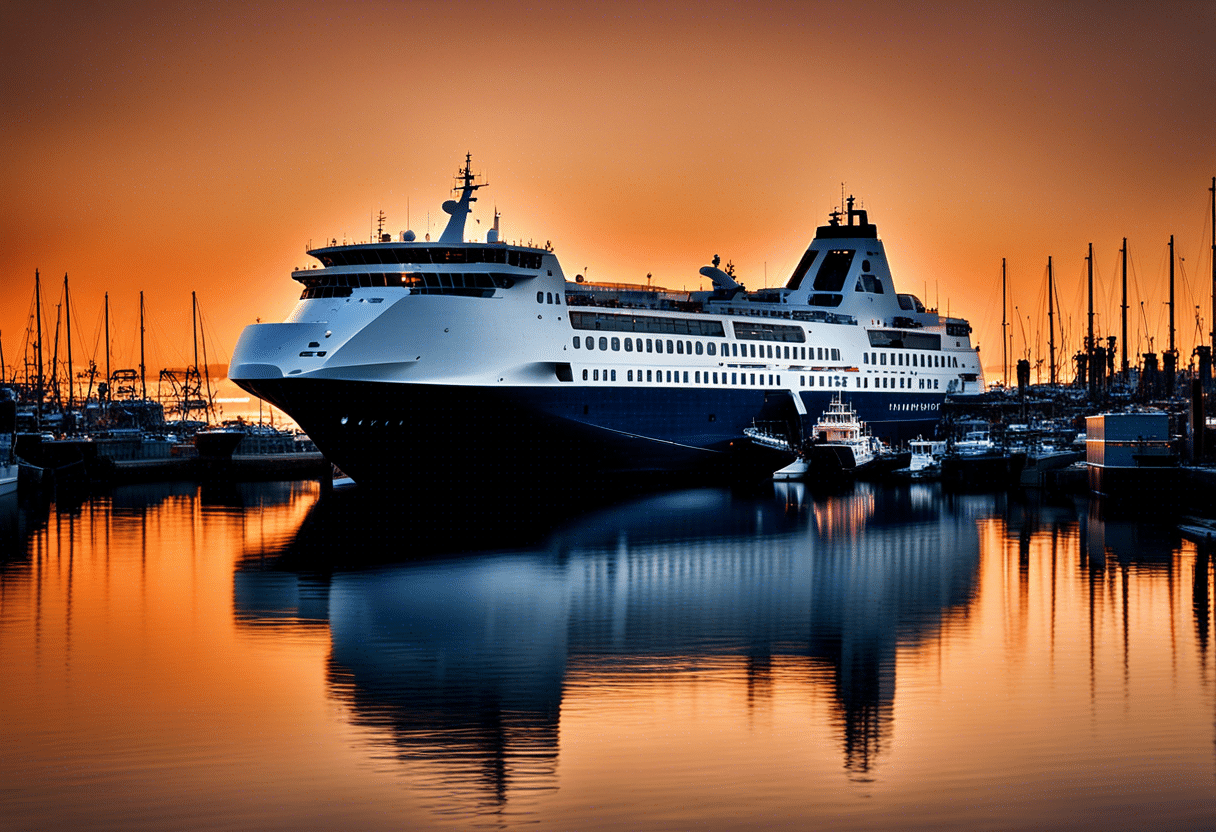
(460, 208)
(38, 324)
(143, 376)
(194, 329)
(1123, 251)
(1051, 323)
(107, 345)
(1004, 324)
(67, 306)
(1171, 294)
(1089, 261)
(1213, 190)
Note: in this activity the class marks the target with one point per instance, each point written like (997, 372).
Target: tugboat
(408, 360)
(840, 442)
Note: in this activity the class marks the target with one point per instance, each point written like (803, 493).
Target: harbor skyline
(203, 147)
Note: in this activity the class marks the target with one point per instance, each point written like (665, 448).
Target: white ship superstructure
(408, 360)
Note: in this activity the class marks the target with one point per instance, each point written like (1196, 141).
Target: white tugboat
(406, 360)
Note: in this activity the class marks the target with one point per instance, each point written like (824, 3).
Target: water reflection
(462, 662)
(802, 656)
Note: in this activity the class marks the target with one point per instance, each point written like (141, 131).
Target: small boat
(925, 460)
(975, 461)
(795, 471)
(219, 442)
(1199, 529)
(8, 478)
(768, 438)
(8, 461)
(840, 442)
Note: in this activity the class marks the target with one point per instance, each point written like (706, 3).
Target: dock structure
(310, 465)
(84, 462)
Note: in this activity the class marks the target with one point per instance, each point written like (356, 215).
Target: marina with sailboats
(106, 424)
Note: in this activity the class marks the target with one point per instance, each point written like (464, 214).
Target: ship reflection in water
(866, 659)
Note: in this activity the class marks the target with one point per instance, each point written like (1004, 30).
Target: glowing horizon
(172, 151)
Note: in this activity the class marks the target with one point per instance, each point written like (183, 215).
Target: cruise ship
(416, 363)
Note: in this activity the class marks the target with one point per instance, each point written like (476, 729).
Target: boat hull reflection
(462, 661)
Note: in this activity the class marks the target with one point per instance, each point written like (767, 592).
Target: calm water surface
(259, 657)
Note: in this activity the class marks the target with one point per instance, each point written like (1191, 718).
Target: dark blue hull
(414, 434)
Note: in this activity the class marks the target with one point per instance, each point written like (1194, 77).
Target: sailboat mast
(67, 305)
(38, 323)
(194, 327)
(1123, 251)
(1171, 294)
(143, 375)
(1051, 322)
(1004, 324)
(1089, 260)
(209, 406)
(107, 345)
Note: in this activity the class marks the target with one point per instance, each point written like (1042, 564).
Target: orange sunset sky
(172, 147)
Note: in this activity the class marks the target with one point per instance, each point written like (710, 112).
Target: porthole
(577, 342)
(540, 297)
(603, 342)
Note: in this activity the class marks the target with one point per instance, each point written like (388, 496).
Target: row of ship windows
(549, 297)
(367, 255)
(698, 377)
(910, 359)
(709, 348)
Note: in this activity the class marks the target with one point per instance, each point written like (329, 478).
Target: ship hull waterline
(419, 436)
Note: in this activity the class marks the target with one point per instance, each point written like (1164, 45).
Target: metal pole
(1004, 324)
(67, 304)
(1171, 293)
(1123, 251)
(1089, 259)
(1051, 322)
(107, 345)
(38, 314)
(143, 376)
